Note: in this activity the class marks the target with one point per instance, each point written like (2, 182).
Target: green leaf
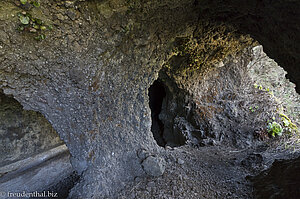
(50, 27)
(23, 2)
(286, 123)
(36, 4)
(279, 133)
(275, 129)
(43, 27)
(36, 26)
(42, 37)
(24, 20)
(21, 28)
(38, 21)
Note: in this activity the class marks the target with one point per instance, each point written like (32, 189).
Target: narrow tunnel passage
(156, 95)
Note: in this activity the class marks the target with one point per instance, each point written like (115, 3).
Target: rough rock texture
(273, 23)
(280, 181)
(154, 166)
(266, 73)
(207, 172)
(54, 175)
(91, 75)
(90, 80)
(216, 172)
(23, 133)
(228, 102)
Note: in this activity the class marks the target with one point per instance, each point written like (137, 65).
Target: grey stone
(143, 154)
(120, 51)
(148, 189)
(227, 120)
(151, 184)
(180, 161)
(154, 166)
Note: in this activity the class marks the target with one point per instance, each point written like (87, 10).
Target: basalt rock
(280, 181)
(90, 76)
(154, 166)
(227, 102)
(23, 133)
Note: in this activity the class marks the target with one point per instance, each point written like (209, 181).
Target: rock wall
(23, 133)
(90, 80)
(90, 75)
(280, 181)
(33, 157)
(273, 23)
(227, 103)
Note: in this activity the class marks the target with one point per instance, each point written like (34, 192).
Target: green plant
(275, 129)
(24, 19)
(251, 109)
(33, 2)
(32, 24)
(23, 2)
(260, 87)
(288, 123)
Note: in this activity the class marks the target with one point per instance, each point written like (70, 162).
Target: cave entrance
(157, 93)
(31, 147)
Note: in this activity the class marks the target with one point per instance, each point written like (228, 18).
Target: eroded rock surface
(280, 181)
(228, 102)
(154, 166)
(90, 76)
(23, 133)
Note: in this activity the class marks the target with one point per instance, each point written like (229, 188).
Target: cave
(157, 94)
(86, 66)
(33, 157)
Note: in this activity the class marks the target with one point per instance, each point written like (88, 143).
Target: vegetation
(288, 124)
(275, 129)
(207, 48)
(31, 24)
(252, 109)
(34, 3)
(281, 124)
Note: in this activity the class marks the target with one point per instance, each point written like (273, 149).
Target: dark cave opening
(157, 93)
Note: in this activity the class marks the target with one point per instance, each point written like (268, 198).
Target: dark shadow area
(64, 187)
(156, 95)
(282, 180)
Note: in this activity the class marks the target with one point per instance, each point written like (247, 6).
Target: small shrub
(275, 129)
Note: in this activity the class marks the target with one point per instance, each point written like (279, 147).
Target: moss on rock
(209, 46)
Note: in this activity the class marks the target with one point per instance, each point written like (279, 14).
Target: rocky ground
(208, 172)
